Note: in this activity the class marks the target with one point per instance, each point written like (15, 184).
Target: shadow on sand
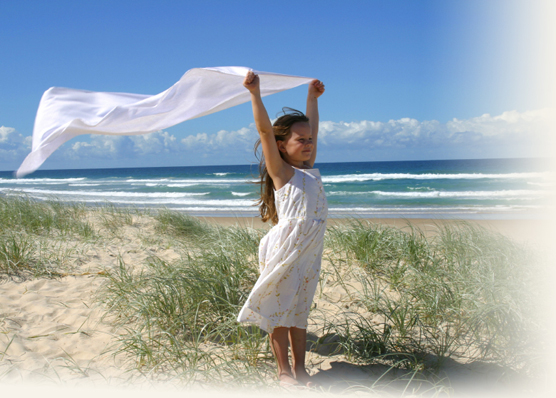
(447, 379)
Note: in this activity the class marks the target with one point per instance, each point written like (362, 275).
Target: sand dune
(54, 331)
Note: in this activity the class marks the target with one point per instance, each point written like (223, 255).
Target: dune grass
(20, 213)
(17, 255)
(465, 292)
(113, 218)
(181, 225)
(34, 236)
(180, 316)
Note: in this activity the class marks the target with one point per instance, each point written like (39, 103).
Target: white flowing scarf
(66, 113)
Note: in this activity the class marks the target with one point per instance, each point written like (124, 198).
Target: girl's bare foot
(304, 379)
(287, 380)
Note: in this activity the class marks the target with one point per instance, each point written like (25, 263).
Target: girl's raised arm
(277, 168)
(316, 89)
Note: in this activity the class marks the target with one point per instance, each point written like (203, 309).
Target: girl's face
(298, 147)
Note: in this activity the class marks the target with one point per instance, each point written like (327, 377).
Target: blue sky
(405, 79)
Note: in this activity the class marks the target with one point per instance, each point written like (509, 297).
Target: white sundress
(290, 256)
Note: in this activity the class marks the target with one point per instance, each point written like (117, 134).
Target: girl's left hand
(316, 88)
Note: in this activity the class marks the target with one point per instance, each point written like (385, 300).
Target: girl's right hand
(251, 82)
(316, 88)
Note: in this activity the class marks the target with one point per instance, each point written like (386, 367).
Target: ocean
(460, 189)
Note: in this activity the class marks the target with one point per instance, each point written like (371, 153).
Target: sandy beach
(526, 230)
(56, 332)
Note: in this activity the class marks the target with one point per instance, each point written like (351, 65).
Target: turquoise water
(484, 188)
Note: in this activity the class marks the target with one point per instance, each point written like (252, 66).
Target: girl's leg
(279, 345)
(298, 339)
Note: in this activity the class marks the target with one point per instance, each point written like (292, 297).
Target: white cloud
(155, 143)
(508, 130)
(511, 134)
(506, 124)
(163, 147)
(13, 145)
(115, 147)
(238, 140)
(101, 147)
(162, 142)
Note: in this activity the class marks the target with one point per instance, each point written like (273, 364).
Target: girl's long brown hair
(282, 130)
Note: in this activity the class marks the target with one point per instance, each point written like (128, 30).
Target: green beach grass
(464, 292)
(37, 239)
(402, 301)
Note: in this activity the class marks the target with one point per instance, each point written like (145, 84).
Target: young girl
(293, 198)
